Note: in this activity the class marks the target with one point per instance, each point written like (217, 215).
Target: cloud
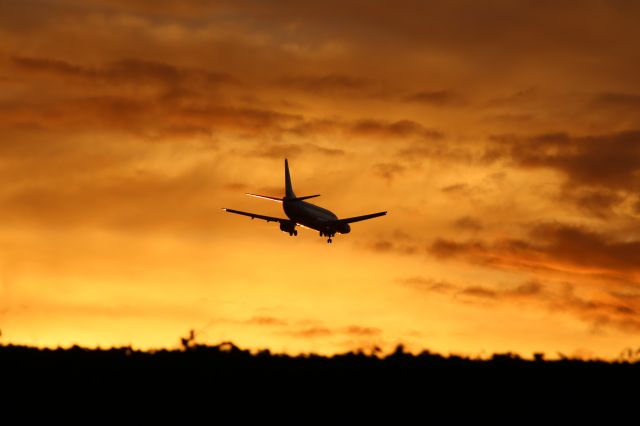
(617, 100)
(267, 321)
(129, 116)
(394, 246)
(285, 150)
(431, 285)
(599, 310)
(397, 129)
(312, 332)
(355, 330)
(126, 71)
(388, 171)
(609, 160)
(427, 284)
(326, 84)
(455, 188)
(551, 246)
(439, 98)
(600, 203)
(121, 201)
(577, 253)
(145, 117)
(113, 112)
(321, 331)
(478, 291)
(468, 223)
(530, 289)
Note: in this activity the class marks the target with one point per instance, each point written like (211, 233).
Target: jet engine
(289, 227)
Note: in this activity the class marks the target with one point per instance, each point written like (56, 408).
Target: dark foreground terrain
(204, 380)
(198, 377)
(228, 362)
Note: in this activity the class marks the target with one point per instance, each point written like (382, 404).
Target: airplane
(307, 215)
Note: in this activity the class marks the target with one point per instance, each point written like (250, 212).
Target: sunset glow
(502, 137)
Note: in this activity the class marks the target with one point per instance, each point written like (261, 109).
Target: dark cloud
(455, 188)
(243, 120)
(515, 99)
(468, 223)
(531, 289)
(438, 98)
(552, 246)
(394, 246)
(388, 171)
(600, 311)
(112, 112)
(509, 118)
(321, 331)
(312, 332)
(128, 71)
(434, 148)
(313, 127)
(478, 291)
(356, 330)
(427, 284)
(369, 129)
(147, 117)
(284, 150)
(267, 321)
(392, 130)
(527, 289)
(599, 203)
(326, 84)
(607, 161)
(617, 100)
(444, 248)
(494, 32)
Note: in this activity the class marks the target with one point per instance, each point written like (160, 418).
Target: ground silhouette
(226, 361)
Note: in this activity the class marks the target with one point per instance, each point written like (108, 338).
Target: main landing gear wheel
(329, 240)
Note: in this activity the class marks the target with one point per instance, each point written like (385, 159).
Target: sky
(502, 137)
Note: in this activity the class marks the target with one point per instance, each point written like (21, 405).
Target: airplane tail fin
(287, 181)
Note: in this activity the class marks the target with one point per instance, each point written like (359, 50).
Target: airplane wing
(359, 218)
(257, 216)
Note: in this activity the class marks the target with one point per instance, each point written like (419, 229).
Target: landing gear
(292, 233)
(328, 232)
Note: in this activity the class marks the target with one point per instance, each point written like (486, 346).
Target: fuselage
(314, 217)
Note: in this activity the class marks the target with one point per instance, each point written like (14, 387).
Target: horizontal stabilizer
(266, 197)
(302, 198)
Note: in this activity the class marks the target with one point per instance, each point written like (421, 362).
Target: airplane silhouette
(301, 213)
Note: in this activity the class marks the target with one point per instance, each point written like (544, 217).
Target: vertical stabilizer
(287, 181)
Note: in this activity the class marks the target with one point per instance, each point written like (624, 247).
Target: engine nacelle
(288, 227)
(343, 228)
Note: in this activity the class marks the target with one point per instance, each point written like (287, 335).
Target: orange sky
(502, 137)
